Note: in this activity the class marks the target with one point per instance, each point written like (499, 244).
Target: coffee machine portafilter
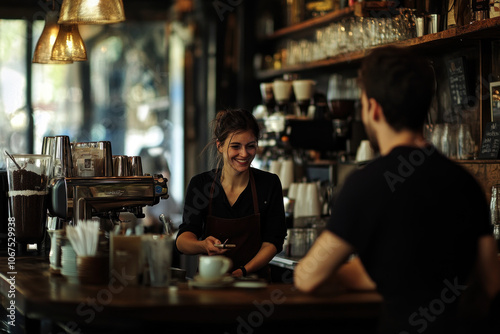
(81, 198)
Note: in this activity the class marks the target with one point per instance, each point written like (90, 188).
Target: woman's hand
(210, 249)
(237, 273)
(188, 243)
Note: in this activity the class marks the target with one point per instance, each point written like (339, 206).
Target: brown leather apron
(243, 232)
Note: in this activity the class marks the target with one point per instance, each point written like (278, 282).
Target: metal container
(433, 23)
(135, 164)
(301, 240)
(92, 159)
(298, 242)
(121, 165)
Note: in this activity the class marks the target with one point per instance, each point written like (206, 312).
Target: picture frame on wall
(495, 101)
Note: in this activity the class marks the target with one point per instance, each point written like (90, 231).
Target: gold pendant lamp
(43, 49)
(91, 12)
(69, 44)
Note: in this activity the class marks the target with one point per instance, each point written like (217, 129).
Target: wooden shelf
(308, 25)
(359, 9)
(345, 58)
(485, 29)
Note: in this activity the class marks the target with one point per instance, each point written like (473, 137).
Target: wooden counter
(122, 307)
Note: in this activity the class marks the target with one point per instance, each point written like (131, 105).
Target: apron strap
(254, 194)
(211, 194)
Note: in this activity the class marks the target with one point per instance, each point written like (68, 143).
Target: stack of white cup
(365, 151)
(285, 171)
(306, 199)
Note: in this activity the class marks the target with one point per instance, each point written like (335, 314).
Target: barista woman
(234, 203)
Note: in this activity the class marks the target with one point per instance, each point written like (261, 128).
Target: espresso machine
(81, 198)
(92, 189)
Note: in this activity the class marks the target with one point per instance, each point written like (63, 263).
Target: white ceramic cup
(213, 267)
(312, 207)
(292, 191)
(275, 167)
(365, 151)
(282, 90)
(300, 203)
(266, 91)
(303, 89)
(286, 174)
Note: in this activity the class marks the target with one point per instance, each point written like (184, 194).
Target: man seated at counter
(417, 221)
(235, 203)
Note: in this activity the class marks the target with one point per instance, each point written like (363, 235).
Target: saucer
(250, 284)
(200, 279)
(202, 283)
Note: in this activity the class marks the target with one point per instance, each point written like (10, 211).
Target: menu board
(457, 80)
(490, 146)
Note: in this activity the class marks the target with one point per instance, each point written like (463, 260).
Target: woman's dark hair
(230, 121)
(401, 82)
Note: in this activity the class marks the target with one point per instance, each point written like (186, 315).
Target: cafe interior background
(146, 80)
(152, 84)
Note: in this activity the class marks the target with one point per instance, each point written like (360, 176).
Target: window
(121, 94)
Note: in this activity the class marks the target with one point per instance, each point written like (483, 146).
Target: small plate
(225, 278)
(201, 283)
(250, 284)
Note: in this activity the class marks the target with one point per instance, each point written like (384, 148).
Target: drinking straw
(84, 237)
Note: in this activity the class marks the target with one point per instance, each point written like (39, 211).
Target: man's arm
(325, 265)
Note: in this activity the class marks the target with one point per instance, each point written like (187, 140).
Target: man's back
(414, 218)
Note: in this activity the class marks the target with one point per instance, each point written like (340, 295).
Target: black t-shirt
(269, 197)
(414, 218)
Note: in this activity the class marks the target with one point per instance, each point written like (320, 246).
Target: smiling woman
(235, 202)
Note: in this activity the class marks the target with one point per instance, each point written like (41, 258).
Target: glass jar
(298, 241)
(495, 205)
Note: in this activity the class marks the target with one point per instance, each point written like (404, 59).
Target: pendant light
(69, 44)
(43, 49)
(91, 12)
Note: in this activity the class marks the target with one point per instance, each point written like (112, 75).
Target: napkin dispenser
(81, 198)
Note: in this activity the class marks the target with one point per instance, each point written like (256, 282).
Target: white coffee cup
(312, 207)
(282, 90)
(266, 90)
(292, 191)
(275, 167)
(286, 173)
(213, 267)
(300, 203)
(365, 151)
(303, 89)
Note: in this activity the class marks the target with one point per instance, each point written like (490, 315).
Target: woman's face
(238, 151)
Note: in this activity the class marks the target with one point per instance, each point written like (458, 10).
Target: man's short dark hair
(402, 83)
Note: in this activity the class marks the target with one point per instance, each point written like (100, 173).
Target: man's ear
(375, 108)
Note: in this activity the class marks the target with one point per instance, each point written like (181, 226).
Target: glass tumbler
(495, 205)
(28, 176)
(495, 212)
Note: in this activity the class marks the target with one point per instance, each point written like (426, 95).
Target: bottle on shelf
(480, 9)
(294, 11)
(315, 8)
